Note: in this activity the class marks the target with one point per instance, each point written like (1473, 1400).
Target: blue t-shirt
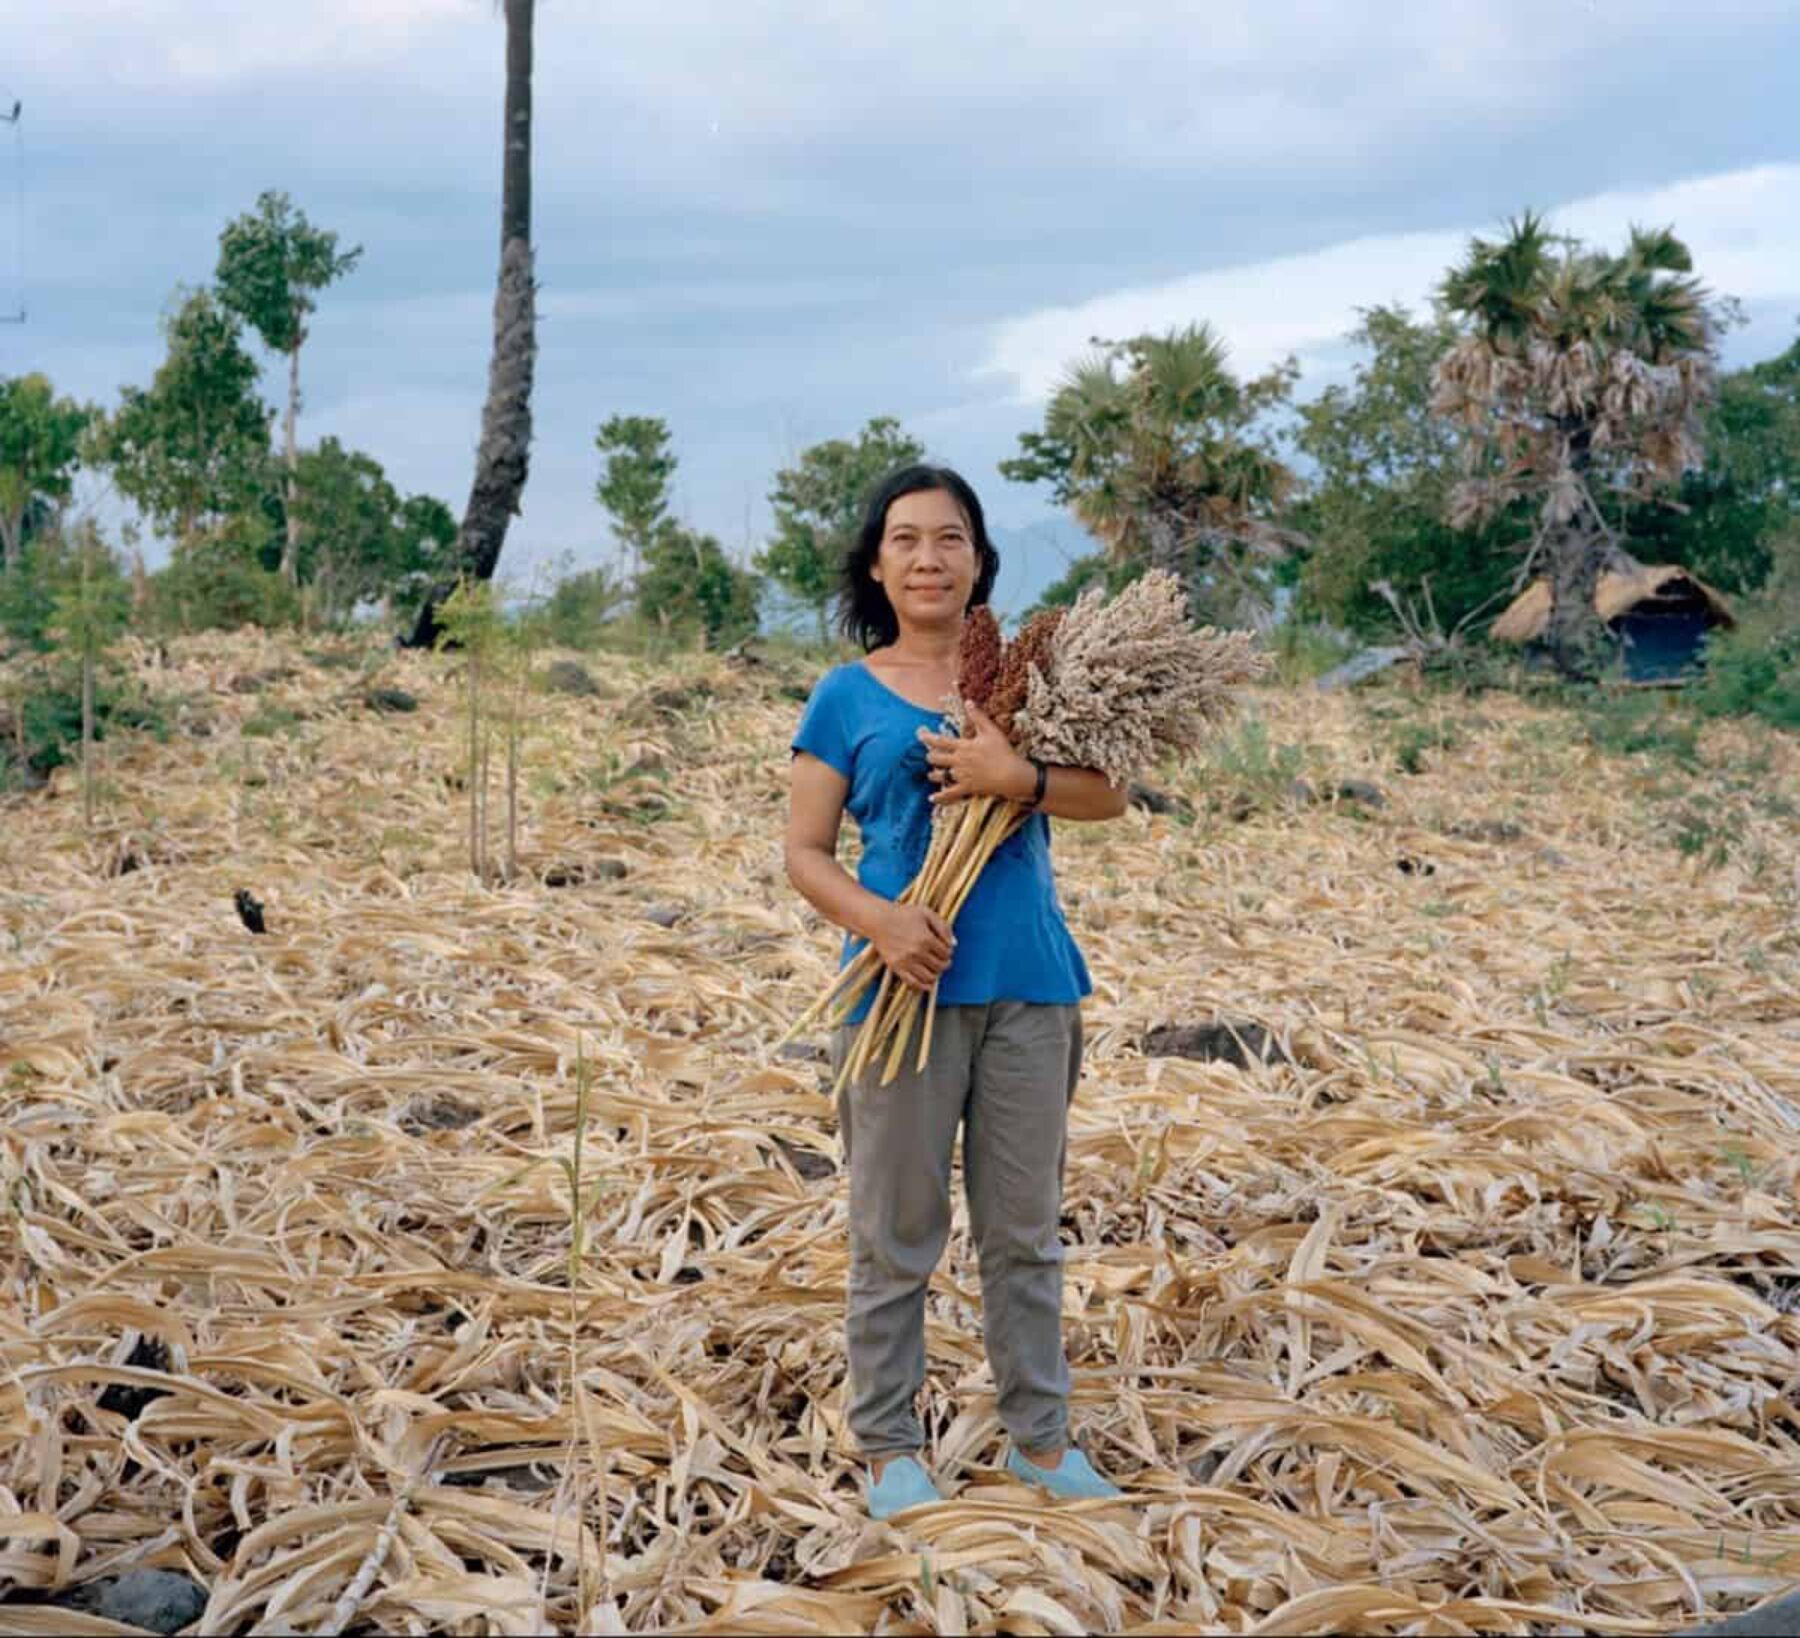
(1012, 943)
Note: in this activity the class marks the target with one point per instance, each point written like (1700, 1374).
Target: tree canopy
(634, 484)
(1163, 454)
(687, 583)
(272, 265)
(40, 445)
(683, 580)
(193, 447)
(819, 503)
(360, 540)
(1376, 503)
(1577, 379)
(1731, 515)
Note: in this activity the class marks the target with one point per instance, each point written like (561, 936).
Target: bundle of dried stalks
(1473, 1309)
(1112, 684)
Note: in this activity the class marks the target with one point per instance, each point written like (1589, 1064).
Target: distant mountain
(1032, 558)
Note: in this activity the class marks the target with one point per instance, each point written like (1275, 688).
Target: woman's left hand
(981, 762)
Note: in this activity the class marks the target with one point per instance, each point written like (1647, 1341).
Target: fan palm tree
(1579, 376)
(1148, 442)
(502, 458)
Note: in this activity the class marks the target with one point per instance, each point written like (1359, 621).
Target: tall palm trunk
(1578, 551)
(501, 460)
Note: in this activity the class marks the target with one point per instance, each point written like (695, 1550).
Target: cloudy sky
(768, 222)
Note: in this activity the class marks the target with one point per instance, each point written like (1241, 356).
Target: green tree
(1161, 452)
(348, 515)
(819, 503)
(25, 595)
(1731, 514)
(633, 487)
(272, 264)
(1754, 668)
(1375, 508)
(683, 580)
(360, 540)
(40, 444)
(687, 583)
(502, 458)
(427, 542)
(193, 447)
(1577, 378)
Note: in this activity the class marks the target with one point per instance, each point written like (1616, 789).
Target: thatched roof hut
(1658, 611)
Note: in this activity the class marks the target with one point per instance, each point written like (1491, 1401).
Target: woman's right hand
(914, 943)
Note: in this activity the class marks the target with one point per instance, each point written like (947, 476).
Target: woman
(1006, 1046)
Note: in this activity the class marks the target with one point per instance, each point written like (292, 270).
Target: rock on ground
(156, 1600)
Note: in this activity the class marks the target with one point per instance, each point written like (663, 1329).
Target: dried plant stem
(960, 848)
(847, 1004)
(855, 976)
(474, 677)
(943, 838)
(857, 1057)
(925, 1034)
(978, 837)
(852, 979)
(860, 966)
(987, 833)
(358, 1590)
(951, 840)
(346, 1607)
(487, 746)
(902, 1033)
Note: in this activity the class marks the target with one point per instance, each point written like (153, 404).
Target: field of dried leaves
(1470, 1305)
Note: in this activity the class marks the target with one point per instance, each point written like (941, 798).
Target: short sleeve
(824, 729)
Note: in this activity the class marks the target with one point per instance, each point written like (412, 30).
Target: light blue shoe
(903, 1484)
(1073, 1478)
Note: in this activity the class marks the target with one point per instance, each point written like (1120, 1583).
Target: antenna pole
(12, 118)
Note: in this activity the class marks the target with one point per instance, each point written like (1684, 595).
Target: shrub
(1304, 650)
(1754, 670)
(1246, 770)
(1412, 740)
(217, 583)
(579, 607)
(1636, 723)
(48, 730)
(27, 593)
(687, 583)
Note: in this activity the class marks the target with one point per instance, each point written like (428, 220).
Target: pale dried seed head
(1131, 681)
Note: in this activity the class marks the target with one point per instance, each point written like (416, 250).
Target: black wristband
(1043, 780)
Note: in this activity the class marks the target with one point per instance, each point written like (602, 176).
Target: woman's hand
(914, 943)
(980, 763)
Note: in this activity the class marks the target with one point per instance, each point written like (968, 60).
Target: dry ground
(1475, 1310)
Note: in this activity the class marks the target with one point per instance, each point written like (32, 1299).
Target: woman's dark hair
(864, 614)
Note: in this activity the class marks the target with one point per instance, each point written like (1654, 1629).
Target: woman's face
(928, 562)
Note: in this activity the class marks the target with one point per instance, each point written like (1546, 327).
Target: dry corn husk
(1536, 1131)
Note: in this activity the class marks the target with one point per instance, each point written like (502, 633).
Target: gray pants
(1006, 1073)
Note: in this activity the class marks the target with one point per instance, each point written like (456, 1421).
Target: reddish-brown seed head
(1031, 647)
